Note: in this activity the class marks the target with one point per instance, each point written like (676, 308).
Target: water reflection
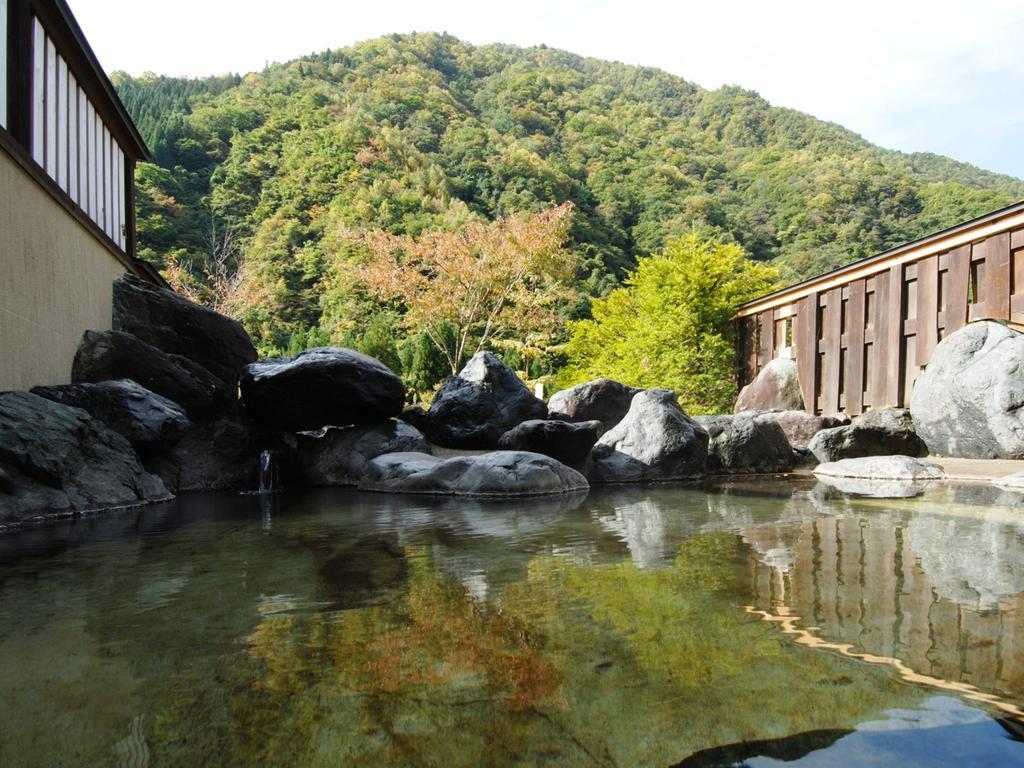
(619, 628)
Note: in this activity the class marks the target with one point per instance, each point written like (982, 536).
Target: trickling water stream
(268, 478)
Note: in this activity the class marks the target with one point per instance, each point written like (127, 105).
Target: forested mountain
(424, 131)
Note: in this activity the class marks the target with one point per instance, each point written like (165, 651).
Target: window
(72, 143)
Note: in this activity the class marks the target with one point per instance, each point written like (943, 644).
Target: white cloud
(938, 76)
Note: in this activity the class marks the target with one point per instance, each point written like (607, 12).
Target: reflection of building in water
(949, 611)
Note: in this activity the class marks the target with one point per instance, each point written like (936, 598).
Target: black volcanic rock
(328, 386)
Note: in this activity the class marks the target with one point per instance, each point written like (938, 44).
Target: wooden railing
(60, 118)
(862, 334)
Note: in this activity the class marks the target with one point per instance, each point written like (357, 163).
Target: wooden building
(862, 334)
(67, 211)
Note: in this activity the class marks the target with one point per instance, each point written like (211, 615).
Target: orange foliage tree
(502, 280)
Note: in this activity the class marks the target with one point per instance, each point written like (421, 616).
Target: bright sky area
(939, 76)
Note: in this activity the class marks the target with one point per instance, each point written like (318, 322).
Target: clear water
(757, 624)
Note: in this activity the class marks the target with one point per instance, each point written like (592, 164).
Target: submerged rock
(475, 408)
(340, 456)
(328, 386)
(149, 421)
(567, 442)
(176, 325)
(499, 473)
(656, 440)
(112, 355)
(58, 459)
(800, 426)
(969, 402)
(883, 432)
(600, 400)
(746, 442)
(882, 468)
(776, 387)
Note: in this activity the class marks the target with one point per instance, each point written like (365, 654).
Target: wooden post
(805, 336)
(955, 299)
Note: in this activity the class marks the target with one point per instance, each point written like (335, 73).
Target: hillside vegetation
(259, 181)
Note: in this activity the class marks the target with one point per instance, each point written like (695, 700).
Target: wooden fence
(862, 334)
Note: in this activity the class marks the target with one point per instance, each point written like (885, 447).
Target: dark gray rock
(216, 455)
(746, 442)
(969, 402)
(58, 460)
(882, 468)
(600, 400)
(149, 422)
(655, 440)
(776, 387)
(340, 456)
(800, 426)
(328, 386)
(499, 473)
(883, 432)
(475, 408)
(176, 325)
(568, 442)
(112, 355)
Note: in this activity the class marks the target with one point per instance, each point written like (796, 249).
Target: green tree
(671, 325)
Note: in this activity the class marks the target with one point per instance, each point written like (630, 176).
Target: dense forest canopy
(269, 174)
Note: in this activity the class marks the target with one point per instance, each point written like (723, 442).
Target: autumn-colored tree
(486, 281)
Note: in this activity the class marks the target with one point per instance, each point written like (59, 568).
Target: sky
(939, 76)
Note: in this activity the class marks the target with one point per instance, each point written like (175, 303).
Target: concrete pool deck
(977, 470)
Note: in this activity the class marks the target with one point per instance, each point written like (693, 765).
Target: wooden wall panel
(954, 301)
(997, 276)
(831, 346)
(880, 332)
(746, 350)
(927, 308)
(854, 384)
(892, 342)
(766, 347)
(805, 339)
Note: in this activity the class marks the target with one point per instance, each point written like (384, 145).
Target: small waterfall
(268, 472)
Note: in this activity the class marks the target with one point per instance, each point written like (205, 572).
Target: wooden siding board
(831, 338)
(892, 343)
(854, 384)
(767, 346)
(880, 321)
(927, 308)
(954, 301)
(997, 276)
(805, 335)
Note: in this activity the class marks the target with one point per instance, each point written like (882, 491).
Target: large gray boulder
(600, 400)
(565, 441)
(216, 455)
(969, 402)
(776, 387)
(656, 440)
(499, 473)
(746, 442)
(883, 432)
(57, 460)
(340, 456)
(800, 426)
(112, 355)
(149, 422)
(176, 325)
(882, 468)
(475, 408)
(328, 386)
